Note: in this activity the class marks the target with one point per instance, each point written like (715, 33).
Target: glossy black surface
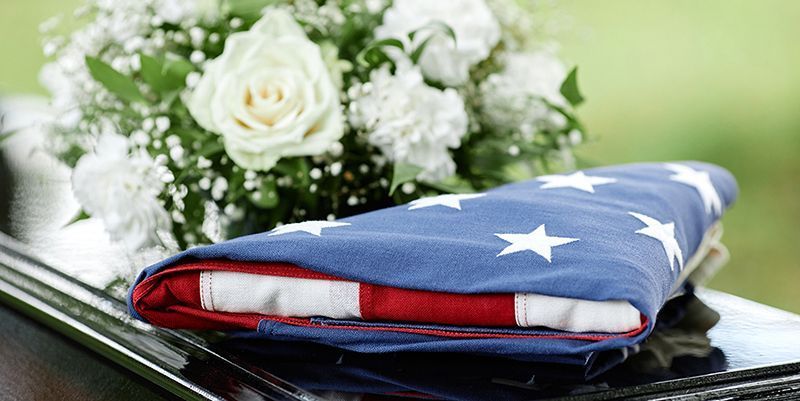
(37, 363)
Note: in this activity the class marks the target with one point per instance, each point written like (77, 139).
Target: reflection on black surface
(677, 349)
(5, 192)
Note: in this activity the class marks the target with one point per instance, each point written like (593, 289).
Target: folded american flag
(551, 269)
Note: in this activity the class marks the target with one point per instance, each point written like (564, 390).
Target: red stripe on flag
(402, 305)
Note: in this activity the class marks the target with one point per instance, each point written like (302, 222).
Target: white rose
(476, 30)
(122, 190)
(269, 94)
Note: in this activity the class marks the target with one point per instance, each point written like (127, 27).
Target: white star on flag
(701, 181)
(312, 227)
(536, 241)
(664, 233)
(577, 180)
(448, 200)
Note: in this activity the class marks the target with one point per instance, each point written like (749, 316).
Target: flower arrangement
(189, 122)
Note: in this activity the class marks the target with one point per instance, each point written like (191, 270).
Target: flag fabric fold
(556, 268)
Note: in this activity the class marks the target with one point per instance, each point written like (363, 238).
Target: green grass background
(714, 80)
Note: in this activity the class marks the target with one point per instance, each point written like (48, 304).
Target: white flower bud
(336, 168)
(136, 62)
(172, 141)
(204, 183)
(575, 137)
(219, 188)
(197, 35)
(162, 123)
(336, 149)
(148, 124)
(203, 163)
(197, 57)
(176, 153)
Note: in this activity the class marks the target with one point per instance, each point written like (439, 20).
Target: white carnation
(409, 121)
(476, 29)
(513, 98)
(121, 189)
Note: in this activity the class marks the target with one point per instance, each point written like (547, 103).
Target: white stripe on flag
(280, 296)
(575, 315)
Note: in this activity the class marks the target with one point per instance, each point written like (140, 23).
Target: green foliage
(177, 68)
(82, 215)
(453, 184)
(295, 168)
(5, 135)
(435, 27)
(570, 88)
(267, 195)
(374, 55)
(153, 74)
(248, 9)
(116, 83)
(165, 75)
(403, 173)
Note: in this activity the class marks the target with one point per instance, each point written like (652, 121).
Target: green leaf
(82, 215)
(189, 135)
(247, 8)
(114, 81)
(153, 74)
(436, 27)
(267, 195)
(295, 168)
(417, 53)
(176, 68)
(403, 173)
(170, 97)
(165, 75)
(210, 149)
(373, 54)
(453, 185)
(570, 88)
(5, 135)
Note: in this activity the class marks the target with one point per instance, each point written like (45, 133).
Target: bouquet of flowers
(188, 122)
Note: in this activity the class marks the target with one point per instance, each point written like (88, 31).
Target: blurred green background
(713, 80)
